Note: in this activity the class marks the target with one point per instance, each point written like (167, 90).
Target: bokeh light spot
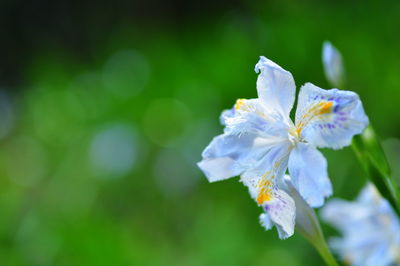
(126, 73)
(174, 175)
(113, 150)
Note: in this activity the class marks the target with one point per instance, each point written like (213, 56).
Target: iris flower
(370, 228)
(260, 142)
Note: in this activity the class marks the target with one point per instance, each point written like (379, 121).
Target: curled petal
(275, 86)
(329, 118)
(333, 64)
(308, 171)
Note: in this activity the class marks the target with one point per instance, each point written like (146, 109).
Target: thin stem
(325, 253)
(319, 243)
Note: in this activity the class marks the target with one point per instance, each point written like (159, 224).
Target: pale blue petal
(250, 116)
(364, 248)
(381, 255)
(229, 155)
(337, 213)
(329, 118)
(267, 170)
(262, 181)
(226, 156)
(265, 221)
(281, 210)
(219, 168)
(275, 86)
(225, 115)
(308, 171)
(369, 195)
(370, 229)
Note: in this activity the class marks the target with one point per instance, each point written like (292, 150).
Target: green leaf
(371, 155)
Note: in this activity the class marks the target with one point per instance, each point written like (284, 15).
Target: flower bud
(333, 65)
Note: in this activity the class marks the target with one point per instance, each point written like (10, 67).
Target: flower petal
(262, 180)
(275, 87)
(229, 155)
(223, 156)
(266, 221)
(281, 210)
(308, 171)
(250, 116)
(345, 215)
(262, 177)
(329, 118)
(370, 229)
(369, 195)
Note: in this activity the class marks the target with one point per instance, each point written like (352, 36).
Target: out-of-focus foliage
(98, 153)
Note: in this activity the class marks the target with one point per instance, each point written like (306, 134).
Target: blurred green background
(105, 108)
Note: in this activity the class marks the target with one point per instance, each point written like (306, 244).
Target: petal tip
(261, 61)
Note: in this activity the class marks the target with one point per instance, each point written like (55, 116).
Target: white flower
(260, 141)
(333, 64)
(370, 228)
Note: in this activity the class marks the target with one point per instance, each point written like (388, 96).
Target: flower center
(294, 135)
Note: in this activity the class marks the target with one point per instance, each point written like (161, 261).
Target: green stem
(317, 239)
(325, 253)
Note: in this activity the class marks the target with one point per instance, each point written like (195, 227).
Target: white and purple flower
(260, 142)
(370, 229)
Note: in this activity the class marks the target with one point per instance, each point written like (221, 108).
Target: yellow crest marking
(315, 110)
(240, 103)
(325, 108)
